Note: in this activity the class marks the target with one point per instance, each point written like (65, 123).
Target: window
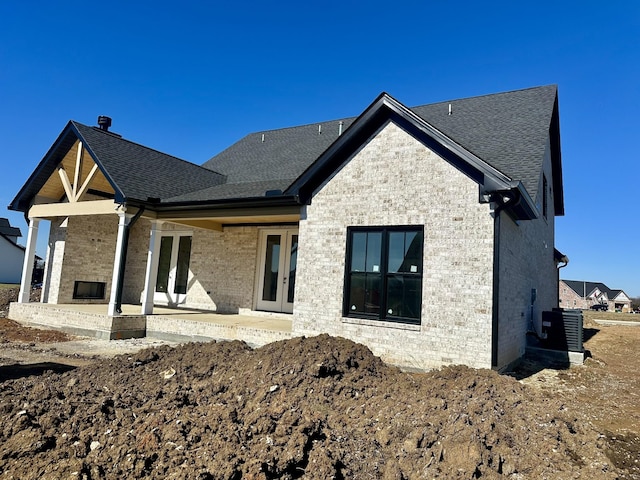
(383, 278)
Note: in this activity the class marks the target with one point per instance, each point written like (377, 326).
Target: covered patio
(176, 324)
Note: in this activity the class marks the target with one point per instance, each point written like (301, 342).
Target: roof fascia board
(252, 202)
(524, 208)
(229, 211)
(386, 108)
(17, 203)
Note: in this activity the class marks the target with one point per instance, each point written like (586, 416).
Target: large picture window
(383, 277)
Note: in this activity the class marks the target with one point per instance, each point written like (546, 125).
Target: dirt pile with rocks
(320, 407)
(8, 295)
(309, 408)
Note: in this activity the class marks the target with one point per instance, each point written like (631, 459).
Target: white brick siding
(396, 180)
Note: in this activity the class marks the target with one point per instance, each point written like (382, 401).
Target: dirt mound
(7, 295)
(13, 331)
(10, 294)
(318, 407)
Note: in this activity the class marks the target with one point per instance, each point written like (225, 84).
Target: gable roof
(580, 287)
(7, 230)
(386, 108)
(134, 171)
(585, 289)
(499, 140)
(507, 132)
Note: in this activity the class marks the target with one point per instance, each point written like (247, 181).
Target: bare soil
(320, 407)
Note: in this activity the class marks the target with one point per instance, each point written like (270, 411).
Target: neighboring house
(425, 233)
(583, 295)
(11, 254)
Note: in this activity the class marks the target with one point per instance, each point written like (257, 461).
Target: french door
(277, 270)
(173, 268)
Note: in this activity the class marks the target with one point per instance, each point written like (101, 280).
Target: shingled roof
(8, 230)
(136, 172)
(583, 288)
(507, 131)
(140, 172)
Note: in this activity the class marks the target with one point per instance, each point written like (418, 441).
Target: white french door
(277, 270)
(173, 268)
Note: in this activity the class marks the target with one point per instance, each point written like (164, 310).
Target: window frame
(385, 275)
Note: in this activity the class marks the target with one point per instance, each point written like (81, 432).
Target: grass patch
(594, 315)
(9, 285)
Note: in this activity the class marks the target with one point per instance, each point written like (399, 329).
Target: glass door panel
(271, 269)
(164, 264)
(173, 269)
(279, 251)
(293, 258)
(182, 265)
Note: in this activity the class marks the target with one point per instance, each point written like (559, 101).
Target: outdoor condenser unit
(562, 329)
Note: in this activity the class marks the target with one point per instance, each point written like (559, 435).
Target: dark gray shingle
(507, 130)
(140, 172)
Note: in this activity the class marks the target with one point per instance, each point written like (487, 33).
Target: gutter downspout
(123, 258)
(564, 260)
(502, 199)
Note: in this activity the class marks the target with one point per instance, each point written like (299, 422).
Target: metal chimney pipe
(104, 122)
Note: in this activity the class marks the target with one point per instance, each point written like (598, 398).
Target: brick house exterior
(425, 233)
(583, 295)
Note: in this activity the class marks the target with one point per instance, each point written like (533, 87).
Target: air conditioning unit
(562, 329)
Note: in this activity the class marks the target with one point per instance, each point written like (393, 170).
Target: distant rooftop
(8, 230)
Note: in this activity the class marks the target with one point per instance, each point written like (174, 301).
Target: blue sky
(189, 78)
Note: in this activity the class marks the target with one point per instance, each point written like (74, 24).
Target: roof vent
(104, 122)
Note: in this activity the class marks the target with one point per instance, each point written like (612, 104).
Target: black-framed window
(383, 277)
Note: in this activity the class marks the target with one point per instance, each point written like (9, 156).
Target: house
(11, 254)
(425, 233)
(581, 294)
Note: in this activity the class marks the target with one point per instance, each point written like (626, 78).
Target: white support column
(29, 258)
(117, 266)
(151, 273)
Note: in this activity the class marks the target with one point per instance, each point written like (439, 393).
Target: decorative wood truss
(65, 192)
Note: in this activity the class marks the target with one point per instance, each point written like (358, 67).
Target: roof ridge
(517, 90)
(410, 108)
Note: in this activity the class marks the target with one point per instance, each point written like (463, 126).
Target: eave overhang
(214, 215)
